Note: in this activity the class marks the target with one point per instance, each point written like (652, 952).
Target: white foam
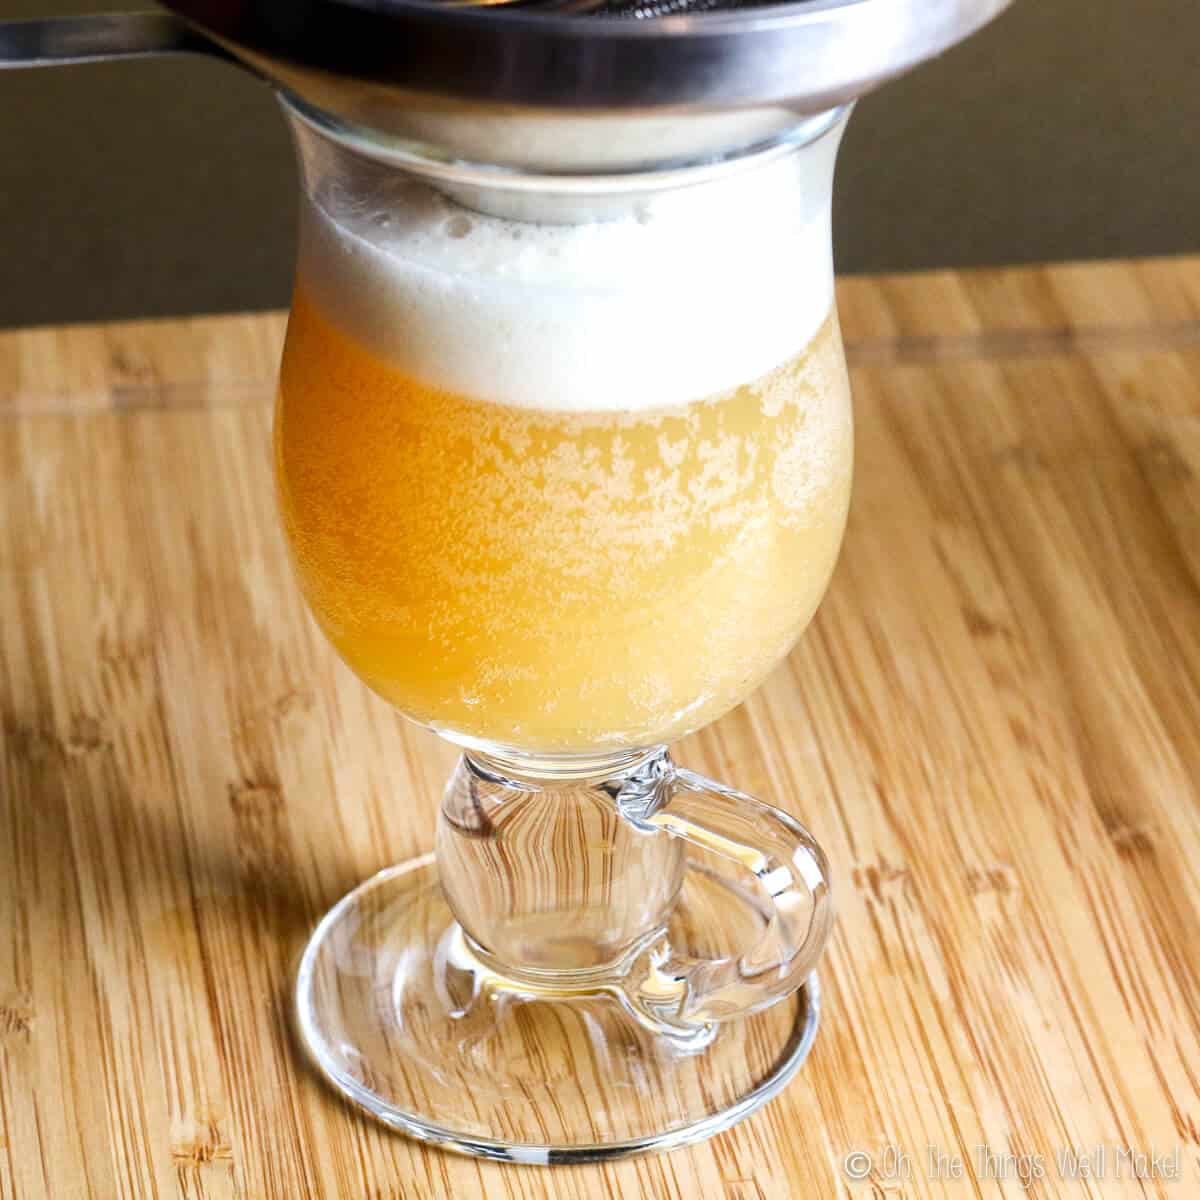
(698, 291)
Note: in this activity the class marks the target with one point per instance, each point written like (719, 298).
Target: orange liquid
(557, 581)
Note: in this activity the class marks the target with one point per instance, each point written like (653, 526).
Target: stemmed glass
(564, 464)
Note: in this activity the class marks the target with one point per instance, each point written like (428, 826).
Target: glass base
(407, 1022)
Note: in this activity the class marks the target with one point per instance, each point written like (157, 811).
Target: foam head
(689, 293)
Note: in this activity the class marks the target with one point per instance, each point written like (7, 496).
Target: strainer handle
(99, 37)
(681, 993)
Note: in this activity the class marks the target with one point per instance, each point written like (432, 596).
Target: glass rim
(439, 165)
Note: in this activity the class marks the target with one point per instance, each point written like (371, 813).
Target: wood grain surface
(993, 726)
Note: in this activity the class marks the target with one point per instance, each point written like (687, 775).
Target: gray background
(1066, 130)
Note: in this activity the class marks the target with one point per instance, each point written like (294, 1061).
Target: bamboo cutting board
(993, 726)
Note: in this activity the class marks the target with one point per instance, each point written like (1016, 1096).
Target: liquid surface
(557, 580)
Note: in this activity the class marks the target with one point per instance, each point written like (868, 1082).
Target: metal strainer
(541, 85)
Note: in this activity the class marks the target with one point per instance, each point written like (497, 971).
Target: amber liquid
(558, 581)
